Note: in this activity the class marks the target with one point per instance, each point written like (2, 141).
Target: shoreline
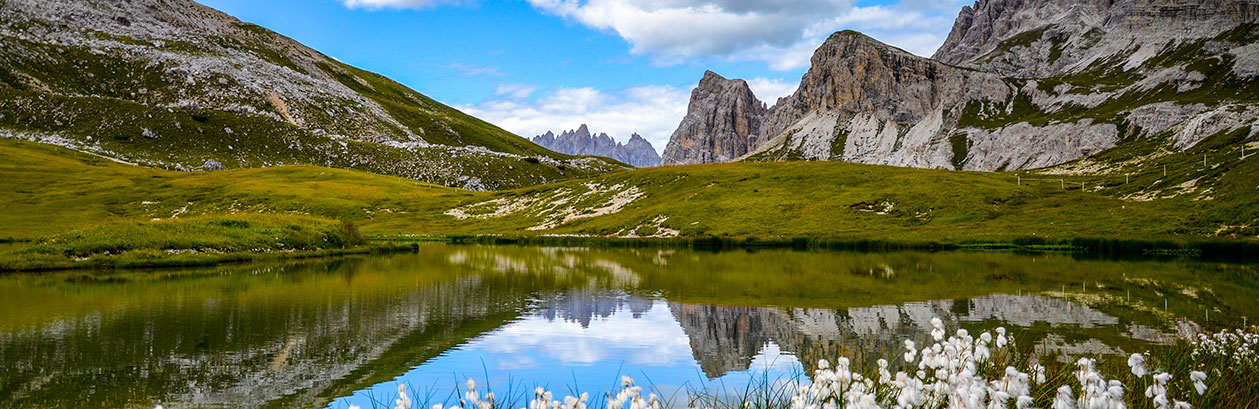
(1205, 249)
(106, 264)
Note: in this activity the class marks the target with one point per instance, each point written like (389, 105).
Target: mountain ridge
(1023, 85)
(173, 84)
(637, 152)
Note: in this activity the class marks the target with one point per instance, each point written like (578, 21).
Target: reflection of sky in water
(559, 354)
(583, 341)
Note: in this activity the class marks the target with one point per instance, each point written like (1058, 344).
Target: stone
(212, 165)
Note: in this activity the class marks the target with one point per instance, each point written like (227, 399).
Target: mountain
(173, 84)
(637, 152)
(1023, 84)
(721, 122)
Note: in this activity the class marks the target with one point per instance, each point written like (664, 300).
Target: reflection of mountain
(724, 339)
(582, 305)
(253, 339)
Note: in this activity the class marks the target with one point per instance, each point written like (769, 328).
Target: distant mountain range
(177, 85)
(1018, 84)
(637, 152)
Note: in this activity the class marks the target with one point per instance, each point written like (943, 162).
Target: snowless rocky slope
(1019, 84)
(173, 84)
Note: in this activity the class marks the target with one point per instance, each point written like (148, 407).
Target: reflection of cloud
(653, 338)
(772, 358)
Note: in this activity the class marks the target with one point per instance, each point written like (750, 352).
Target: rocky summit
(722, 121)
(176, 85)
(637, 152)
(1017, 85)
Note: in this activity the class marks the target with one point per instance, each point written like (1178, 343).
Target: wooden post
(1126, 179)
(1204, 160)
(1063, 184)
(1164, 170)
(1018, 180)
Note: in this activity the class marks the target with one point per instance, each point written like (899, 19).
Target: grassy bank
(195, 241)
(791, 204)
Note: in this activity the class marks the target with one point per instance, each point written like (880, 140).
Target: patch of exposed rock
(721, 122)
(1038, 38)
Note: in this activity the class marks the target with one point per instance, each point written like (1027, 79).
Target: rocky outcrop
(722, 121)
(640, 153)
(865, 101)
(1038, 38)
(637, 152)
(1019, 84)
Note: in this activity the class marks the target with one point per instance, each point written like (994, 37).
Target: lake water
(330, 333)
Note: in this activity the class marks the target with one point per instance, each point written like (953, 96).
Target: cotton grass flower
(1137, 363)
(403, 401)
(1198, 378)
(910, 351)
(1065, 398)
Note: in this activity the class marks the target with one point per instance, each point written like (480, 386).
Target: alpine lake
(330, 333)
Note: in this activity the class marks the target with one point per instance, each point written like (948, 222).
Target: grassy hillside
(212, 88)
(56, 190)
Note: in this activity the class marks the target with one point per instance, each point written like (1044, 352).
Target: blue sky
(621, 66)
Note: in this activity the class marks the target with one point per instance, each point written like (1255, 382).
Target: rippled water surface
(332, 333)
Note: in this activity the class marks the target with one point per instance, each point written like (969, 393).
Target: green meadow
(73, 205)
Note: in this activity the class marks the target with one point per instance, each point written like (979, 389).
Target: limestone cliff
(1019, 84)
(721, 122)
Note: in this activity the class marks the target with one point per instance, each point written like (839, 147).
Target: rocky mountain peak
(854, 74)
(1039, 38)
(637, 152)
(722, 119)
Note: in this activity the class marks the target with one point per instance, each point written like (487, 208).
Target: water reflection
(328, 333)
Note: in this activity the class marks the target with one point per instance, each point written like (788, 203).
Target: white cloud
(781, 33)
(473, 70)
(769, 90)
(517, 91)
(652, 111)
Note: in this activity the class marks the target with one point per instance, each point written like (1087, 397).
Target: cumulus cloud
(769, 90)
(651, 111)
(781, 33)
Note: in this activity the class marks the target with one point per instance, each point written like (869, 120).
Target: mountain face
(173, 84)
(637, 152)
(722, 121)
(1023, 84)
